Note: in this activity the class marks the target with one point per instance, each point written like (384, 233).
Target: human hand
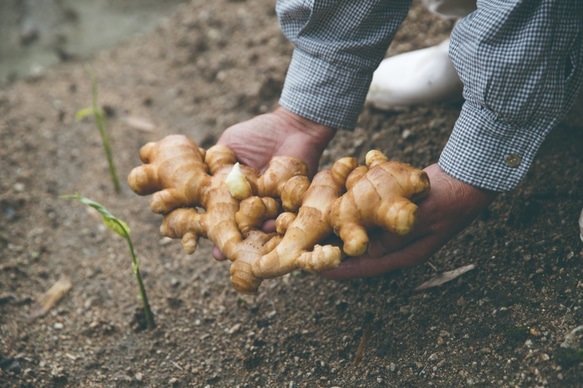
(450, 207)
(256, 141)
(281, 132)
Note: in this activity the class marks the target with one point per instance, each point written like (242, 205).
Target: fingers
(382, 243)
(268, 226)
(366, 265)
(218, 255)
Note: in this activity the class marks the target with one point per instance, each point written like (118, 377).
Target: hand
(281, 132)
(450, 207)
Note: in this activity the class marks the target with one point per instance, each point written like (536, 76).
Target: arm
(338, 44)
(521, 66)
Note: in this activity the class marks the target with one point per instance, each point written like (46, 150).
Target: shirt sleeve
(521, 63)
(338, 45)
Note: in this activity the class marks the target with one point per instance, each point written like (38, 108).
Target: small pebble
(235, 328)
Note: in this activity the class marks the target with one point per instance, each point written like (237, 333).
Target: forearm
(338, 45)
(521, 65)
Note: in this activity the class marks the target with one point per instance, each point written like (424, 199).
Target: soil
(509, 322)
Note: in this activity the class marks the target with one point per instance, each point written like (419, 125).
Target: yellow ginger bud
(238, 185)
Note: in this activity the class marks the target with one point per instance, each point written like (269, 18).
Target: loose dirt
(210, 65)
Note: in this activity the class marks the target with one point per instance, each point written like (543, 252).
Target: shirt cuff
(322, 92)
(488, 153)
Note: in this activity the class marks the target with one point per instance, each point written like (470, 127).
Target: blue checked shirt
(521, 63)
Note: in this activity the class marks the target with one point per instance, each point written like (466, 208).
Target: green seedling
(122, 229)
(101, 121)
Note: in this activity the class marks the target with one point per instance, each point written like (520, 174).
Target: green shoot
(101, 122)
(122, 229)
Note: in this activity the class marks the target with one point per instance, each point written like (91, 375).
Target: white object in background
(581, 225)
(414, 78)
(450, 9)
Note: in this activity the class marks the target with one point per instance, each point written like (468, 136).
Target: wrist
(466, 192)
(320, 132)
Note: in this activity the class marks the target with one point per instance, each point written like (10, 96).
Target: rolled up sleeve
(521, 64)
(338, 45)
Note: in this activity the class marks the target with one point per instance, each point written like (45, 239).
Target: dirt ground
(509, 322)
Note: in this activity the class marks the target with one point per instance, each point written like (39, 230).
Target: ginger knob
(381, 196)
(238, 185)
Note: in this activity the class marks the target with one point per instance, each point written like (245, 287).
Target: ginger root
(380, 196)
(347, 200)
(301, 234)
(183, 178)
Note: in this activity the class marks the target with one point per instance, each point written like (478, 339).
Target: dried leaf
(50, 298)
(445, 277)
(570, 341)
(139, 123)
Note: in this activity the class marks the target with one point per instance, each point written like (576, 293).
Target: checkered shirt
(521, 63)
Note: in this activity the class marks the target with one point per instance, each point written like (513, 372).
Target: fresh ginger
(184, 178)
(238, 185)
(167, 173)
(380, 196)
(299, 246)
(347, 200)
(176, 171)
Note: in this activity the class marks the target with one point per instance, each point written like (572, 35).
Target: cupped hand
(280, 132)
(450, 207)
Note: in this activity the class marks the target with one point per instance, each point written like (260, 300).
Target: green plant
(101, 121)
(122, 229)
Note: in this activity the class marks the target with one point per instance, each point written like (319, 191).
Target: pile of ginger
(206, 193)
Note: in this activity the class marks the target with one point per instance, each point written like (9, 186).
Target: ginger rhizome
(208, 194)
(380, 196)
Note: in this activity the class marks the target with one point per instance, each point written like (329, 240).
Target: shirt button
(513, 160)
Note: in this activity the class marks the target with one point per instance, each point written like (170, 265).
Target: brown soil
(211, 65)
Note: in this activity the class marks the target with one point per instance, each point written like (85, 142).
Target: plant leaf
(89, 111)
(109, 220)
(117, 225)
(82, 113)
